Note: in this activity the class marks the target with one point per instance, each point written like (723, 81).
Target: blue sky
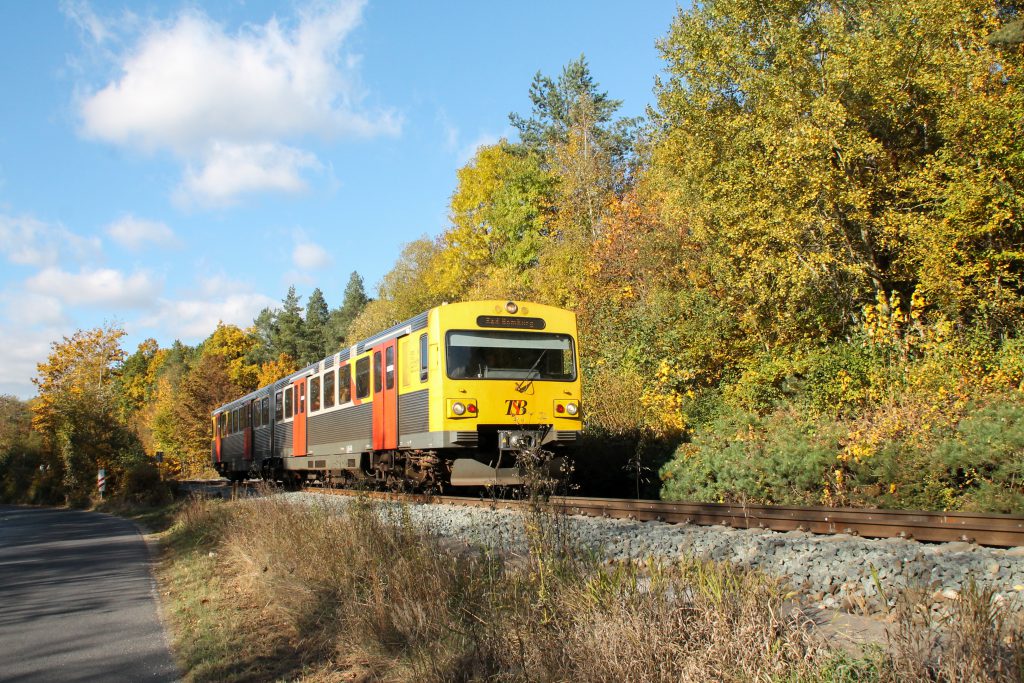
(167, 165)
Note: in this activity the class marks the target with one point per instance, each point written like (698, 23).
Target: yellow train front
(451, 396)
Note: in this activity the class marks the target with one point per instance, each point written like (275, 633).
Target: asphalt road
(77, 600)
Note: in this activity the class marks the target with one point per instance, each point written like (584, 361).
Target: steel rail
(982, 529)
(942, 527)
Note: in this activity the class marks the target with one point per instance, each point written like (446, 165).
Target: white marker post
(101, 482)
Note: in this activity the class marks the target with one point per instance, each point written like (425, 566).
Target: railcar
(452, 396)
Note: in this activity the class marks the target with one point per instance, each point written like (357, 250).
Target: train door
(218, 432)
(299, 423)
(247, 439)
(385, 397)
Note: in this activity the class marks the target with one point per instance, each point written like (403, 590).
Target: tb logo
(514, 407)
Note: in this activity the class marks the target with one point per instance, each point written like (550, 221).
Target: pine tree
(351, 306)
(314, 339)
(288, 331)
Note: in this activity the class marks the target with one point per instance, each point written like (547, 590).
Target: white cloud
(307, 255)
(195, 319)
(96, 287)
(82, 14)
(30, 309)
(30, 242)
(192, 87)
(230, 170)
(134, 233)
(23, 349)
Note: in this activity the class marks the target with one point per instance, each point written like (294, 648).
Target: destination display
(510, 323)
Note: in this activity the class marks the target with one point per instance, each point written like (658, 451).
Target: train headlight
(461, 408)
(565, 408)
(511, 307)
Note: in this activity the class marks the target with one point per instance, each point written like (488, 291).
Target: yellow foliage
(274, 370)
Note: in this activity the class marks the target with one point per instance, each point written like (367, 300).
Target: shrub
(785, 457)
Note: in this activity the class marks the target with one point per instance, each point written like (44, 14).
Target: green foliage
(573, 103)
(500, 211)
(341, 318)
(314, 337)
(785, 457)
(286, 335)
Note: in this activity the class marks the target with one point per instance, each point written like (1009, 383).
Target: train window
(234, 421)
(288, 403)
(344, 384)
(363, 377)
(220, 423)
(376, 372)
(301, 407)
(423, 358)
(389, 367)
(329, 389)
(478, 354)
(254, 412)
(266, 410)
(278, 407)
(314, 394)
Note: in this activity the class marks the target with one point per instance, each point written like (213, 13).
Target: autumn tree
(820, 162)
(207, 386)
(77, 413)
(234, 346)
(501, 208)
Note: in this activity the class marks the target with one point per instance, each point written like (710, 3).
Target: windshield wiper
(527, 381)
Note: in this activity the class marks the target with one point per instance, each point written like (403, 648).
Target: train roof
(413, 324)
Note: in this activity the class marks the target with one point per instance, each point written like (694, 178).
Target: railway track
(982, 529)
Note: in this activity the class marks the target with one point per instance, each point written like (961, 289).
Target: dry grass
(298, 592)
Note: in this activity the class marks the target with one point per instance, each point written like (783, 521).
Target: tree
(795, 140)
(501, 212)
(234, 345)
(271, 371)
(314, 337)
(207, 386)
(351, 306)
(288, 327)
(137, 378)
(77, 409)
(264, 330)
(573, 103)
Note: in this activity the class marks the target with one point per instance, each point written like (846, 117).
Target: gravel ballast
(837, 571)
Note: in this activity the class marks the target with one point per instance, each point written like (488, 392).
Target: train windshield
(510, 355)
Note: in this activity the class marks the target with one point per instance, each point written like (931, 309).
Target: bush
(785, 457)
(142, 484)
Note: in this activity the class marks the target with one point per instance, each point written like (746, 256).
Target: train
(452, 397)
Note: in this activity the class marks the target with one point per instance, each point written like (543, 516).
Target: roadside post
(101, 482)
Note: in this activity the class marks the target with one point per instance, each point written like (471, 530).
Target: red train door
(247, 439)
(299, 425)
(218, 430)
(385, 397)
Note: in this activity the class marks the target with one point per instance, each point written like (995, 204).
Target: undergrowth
(268, 589)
